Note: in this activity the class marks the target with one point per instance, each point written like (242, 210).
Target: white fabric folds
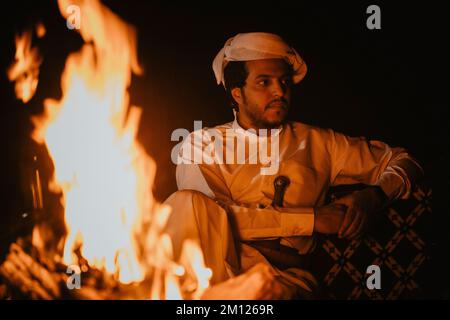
(257, 46)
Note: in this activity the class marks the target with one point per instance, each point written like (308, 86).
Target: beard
(278, 108)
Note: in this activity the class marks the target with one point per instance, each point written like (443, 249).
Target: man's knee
(182, 221)
(184, 201)
(189, 207)
(194, 216)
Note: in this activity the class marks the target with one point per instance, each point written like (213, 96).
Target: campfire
(113, 245)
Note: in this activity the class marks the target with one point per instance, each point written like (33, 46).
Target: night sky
(383, 84)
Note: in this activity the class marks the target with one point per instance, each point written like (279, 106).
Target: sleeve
(358, 160)
(251, 222)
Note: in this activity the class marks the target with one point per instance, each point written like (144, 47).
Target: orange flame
(92, 142)
(25, 69)
(105, 175)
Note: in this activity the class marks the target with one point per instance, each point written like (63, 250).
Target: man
(230, 207)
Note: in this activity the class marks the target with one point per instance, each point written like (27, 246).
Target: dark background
(384, 84)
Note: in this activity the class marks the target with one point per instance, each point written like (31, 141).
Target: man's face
(264, 100)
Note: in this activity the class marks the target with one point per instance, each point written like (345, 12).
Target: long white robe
(312, 158)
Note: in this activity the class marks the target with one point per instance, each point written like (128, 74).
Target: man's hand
(360, 206)
(328, 219)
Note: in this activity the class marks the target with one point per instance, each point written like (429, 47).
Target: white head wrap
(257, 46)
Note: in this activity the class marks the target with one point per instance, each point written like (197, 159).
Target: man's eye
(263, 83)
(286, 81)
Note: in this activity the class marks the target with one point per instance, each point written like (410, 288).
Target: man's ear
(236, 93)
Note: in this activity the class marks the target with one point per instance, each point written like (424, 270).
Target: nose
(278, 89)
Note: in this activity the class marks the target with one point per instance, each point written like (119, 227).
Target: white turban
(257, 46)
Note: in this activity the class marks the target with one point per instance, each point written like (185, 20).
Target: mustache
(282, 100)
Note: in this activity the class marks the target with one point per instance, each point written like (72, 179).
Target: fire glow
(103, 172)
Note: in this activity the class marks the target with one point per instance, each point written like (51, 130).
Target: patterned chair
(396, 242)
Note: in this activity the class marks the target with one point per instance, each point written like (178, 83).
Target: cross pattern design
(384, 254)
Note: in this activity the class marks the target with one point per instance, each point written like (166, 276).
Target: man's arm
(251, 223)
(358, 160)
(391, 174)
(259, 223)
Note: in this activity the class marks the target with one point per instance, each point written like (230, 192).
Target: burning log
(27, 275)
